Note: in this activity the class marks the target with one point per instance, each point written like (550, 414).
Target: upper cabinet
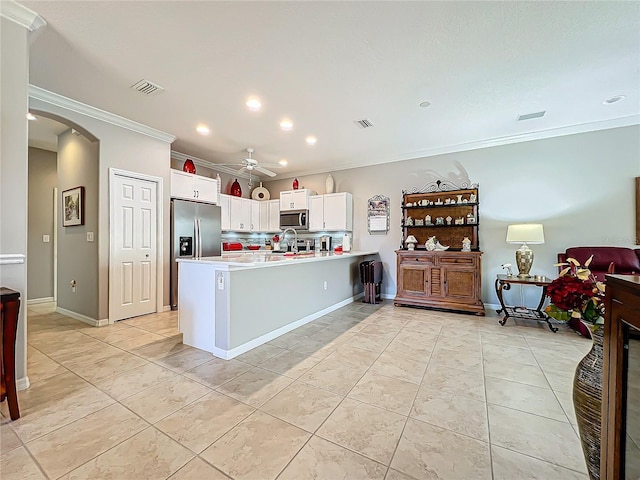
(188, 186)
(269, 215)
(295, 199)
(332, 212)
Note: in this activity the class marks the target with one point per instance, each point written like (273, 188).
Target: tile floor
(366, 392)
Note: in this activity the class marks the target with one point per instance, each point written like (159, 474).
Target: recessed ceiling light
(31, 116)
(425, 104)
(254, 104)
(203, 129)
(286, 125)
(615, 99)
(311, 140)
(283, 162)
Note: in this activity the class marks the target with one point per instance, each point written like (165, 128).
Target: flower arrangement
(576, 294)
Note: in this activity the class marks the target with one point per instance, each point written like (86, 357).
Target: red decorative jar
(295, 184)
(188, 166)
(236, 190)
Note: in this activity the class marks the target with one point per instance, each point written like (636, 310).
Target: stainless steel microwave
(298, 219)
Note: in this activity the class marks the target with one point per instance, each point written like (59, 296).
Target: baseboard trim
(256, 342)
(388, 296)
(492, 306)
(22, 383)
(166, 308)
(83, 318)
(35, 301)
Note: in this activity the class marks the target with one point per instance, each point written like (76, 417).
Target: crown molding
(491, 142)
(21, 15)
(46, 96)
(213, 166)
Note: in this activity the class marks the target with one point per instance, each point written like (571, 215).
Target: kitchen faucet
(294, 249)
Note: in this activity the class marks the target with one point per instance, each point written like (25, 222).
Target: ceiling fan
(250, 164)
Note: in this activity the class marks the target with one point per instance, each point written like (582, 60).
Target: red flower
(569, 292)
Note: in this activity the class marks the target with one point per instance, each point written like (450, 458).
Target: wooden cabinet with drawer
(444, 280)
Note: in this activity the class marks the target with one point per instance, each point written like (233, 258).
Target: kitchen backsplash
(263, 239)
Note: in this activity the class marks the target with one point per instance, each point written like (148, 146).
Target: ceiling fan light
(286, 125)
(311, 140)
(283, 162)
(202, 129)
(254, 104)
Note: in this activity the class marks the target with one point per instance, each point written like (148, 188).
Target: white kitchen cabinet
(263, 207)
(225, 205)
(295, 199)
(274, 216)
(188, 186)
(254, 215)
(332, 212)
(244, 214)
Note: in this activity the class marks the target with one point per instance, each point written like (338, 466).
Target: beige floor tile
(427, 325)
(460, 414)
(402, 368)
(509, 465)
(217, 372)
(198, 469)
(462, 344)
(365, 429)
(112, 333)
(513, 339)
(202, 422)
(516, 372)
(353, 355)
(150, 455)
(374, 343)
(17, 464)
(560, 381)
(396, 475)
(454, 381)
(69, 447)
(470, 362)
(323, 460)
(425, 452)
(333, 375)
(41, 420)
(302, 405)
(385, 392)
(140, 339)
(255, 387)
(165, 398)
(184, 360)
(508, 354)
(40, 367)
(259, 354)
(134, 381)
(256, 449)
(164, 348)
(316, 348)
(84, 351)
(384, 330)
(288, 340)
(50, 390)
(527, 398)
(290, 364)
(549, 440)
(566, 401)
(8, 438)
(104, 368)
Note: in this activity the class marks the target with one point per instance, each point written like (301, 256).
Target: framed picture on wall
(73, 207)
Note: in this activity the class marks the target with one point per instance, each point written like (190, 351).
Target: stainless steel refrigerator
(196, 231)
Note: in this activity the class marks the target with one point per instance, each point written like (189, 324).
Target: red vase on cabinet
(188, 166)
(236, 190)
(295, 184)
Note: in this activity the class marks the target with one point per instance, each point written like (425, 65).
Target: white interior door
(134, 251)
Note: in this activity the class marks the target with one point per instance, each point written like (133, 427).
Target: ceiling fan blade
(242, 169)
(265, 171)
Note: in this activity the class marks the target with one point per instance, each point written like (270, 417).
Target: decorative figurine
(459, 198)
(507, 267)
(427, 220)
(409, 222)
(472, 198)
(448, 219)
(466, 244)
(419, 222)
(470, 218)
(439, 221)
(459, 221)
(438, 202)
(430, 244)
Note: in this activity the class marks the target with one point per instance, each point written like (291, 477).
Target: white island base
(231, 304)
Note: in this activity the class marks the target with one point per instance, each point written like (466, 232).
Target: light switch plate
(89, 236)
(46, 238)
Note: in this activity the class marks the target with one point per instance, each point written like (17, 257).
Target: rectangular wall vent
(147, 87)
(364, 123)
(529, 116)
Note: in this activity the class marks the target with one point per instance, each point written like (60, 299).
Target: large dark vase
(587, 400)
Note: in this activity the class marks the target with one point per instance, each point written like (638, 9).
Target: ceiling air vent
(147, 87)
(529, 116)
(364, 123)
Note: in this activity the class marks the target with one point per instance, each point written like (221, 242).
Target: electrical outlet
(45, 238)
(89, 236)
(220, 282)
(73, 285)
(325, 285)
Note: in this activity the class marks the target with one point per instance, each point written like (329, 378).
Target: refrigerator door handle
(196, 238)
(199, 238)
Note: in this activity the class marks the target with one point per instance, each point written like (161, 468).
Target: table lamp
(525, 233)
(411, 242)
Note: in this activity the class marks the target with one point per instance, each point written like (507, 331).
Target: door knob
(147, 255)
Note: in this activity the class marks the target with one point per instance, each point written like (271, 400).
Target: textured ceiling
(326, 64)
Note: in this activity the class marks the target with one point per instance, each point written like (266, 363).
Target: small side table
(504, 282)
(9, 308)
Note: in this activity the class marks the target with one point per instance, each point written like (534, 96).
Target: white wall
(580, 187)
(127, 150)
(14, 78)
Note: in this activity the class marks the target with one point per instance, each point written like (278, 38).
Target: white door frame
(116, 172)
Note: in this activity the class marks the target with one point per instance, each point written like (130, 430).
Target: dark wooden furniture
(504, 282)
(445, 280)
(431, 212)
(620, 456)
(9, 309)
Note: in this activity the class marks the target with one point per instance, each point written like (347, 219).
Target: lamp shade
(525, 233)
(411, 239)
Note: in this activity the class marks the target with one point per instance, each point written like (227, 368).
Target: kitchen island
(230, 304)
